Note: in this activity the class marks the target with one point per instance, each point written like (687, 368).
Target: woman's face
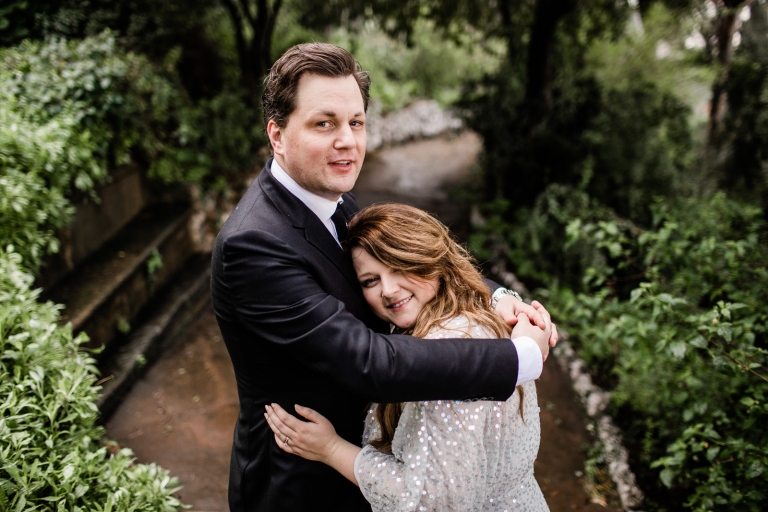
(393, 296)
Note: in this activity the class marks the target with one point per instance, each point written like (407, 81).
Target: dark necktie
(340, 222)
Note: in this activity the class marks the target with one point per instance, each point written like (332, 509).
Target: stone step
(95, 222)
(105, 293)
(160, 322)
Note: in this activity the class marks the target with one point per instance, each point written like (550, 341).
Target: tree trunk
(725, 31)
(538, 90)
(254, 54)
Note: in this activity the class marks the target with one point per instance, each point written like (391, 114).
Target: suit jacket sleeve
(278, 301)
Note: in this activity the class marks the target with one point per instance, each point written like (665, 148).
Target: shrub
(51, 454)
(39, 165)
(128, 106)
(685, 353)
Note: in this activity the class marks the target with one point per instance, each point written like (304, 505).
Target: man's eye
(356, 123)
(323, 124)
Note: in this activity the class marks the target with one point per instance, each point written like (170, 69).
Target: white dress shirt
(529, 360)
(320, 206)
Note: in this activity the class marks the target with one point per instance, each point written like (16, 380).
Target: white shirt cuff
(529, 363)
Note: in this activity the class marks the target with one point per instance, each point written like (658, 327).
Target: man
(292, 313)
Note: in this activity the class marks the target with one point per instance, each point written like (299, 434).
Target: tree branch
(246, 8)
(240, 42)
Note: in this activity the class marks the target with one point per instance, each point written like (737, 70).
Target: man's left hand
(510, 306)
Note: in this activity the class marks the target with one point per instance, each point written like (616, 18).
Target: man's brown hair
(282, 82)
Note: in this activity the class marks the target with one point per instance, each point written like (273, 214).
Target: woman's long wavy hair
(413, 242)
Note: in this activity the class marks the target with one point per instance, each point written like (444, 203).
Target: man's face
(322, 146)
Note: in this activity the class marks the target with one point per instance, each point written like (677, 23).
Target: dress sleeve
(441, 465)
(439, 462)
(371, 429)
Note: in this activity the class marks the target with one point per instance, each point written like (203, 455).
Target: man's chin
(344, 186)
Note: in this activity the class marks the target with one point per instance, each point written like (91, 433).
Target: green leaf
(755, 469)
(666, 476)
(747, 401)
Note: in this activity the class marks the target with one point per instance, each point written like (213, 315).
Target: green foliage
(39, 165)
(128, 106)
(154, 262)
(430, 67)
(51, 456)
(536, 237)
(685, 353)
(619, 126)
(15, 21)
(69, 110)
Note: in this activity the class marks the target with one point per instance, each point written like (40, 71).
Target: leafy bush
(69, 110)
(51, 454)
(432, 65)
(685, 353)
(39, 164)
(130, 108)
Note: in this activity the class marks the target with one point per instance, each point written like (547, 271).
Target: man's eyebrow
(330, 113)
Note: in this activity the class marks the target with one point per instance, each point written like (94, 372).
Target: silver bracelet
(501, 292)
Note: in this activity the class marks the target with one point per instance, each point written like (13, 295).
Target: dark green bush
(686, 353)
(52, 457)
(129, 107)
(68, 111)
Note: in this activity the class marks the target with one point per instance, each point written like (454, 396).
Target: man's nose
(344, 137)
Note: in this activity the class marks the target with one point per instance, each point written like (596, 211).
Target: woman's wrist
(341, 457)
(331, 450)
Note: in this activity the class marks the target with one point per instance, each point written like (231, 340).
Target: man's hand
(524, 327)
(509, 307)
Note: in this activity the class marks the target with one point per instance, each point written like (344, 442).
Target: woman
(434, 455)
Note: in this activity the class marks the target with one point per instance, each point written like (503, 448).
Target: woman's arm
(314, 439)
(440, 462)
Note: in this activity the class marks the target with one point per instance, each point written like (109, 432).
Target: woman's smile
(397, 306)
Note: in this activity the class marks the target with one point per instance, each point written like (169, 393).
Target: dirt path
(182, 413)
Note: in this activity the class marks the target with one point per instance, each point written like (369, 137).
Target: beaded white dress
(456, 455)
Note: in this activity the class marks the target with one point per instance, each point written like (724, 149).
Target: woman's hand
(315, 439)
(509, 308)
(524, 327)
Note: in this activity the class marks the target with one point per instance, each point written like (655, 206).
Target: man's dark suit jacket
(299, 331)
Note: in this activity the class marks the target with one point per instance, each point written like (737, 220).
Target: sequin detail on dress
(456, 456)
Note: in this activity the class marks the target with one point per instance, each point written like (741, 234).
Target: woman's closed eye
(367, 283)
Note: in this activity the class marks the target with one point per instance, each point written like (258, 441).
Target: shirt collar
(320, 206)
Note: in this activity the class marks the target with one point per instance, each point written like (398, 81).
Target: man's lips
(399, 304)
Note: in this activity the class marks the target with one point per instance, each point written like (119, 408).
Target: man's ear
(275, 134)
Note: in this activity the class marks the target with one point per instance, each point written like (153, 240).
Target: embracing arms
(263, 284)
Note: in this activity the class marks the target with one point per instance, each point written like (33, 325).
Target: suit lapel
(303, 218)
